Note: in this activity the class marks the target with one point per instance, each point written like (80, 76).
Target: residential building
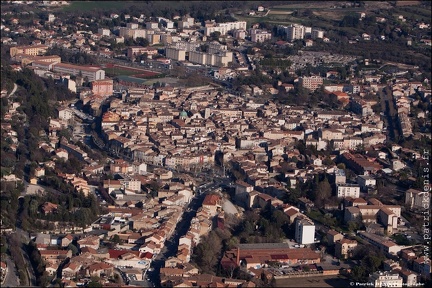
(33, 50)
(293, 31)
(311, 83)
(344, 248)
(212, 203)
(134, 51)
(223, 28)
(416, 198)
(339, 175)
(304, 230)
(102, 87)
(385, 279)
(333, 236)
(347, 190)
(258, 35)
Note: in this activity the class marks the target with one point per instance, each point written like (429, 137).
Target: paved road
(11, 279)
(13, 90)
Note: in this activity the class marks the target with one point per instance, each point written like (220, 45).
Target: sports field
(117, 70)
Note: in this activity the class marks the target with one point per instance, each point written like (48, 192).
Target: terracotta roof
(211, 200)
(115, 254)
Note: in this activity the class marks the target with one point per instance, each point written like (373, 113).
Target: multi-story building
(239, 34)
(344, 248)
(304, 230)
(312, 82)
(216, 59)
(26, 60)
(102, 87)
(294, 31)
(416, 199)
(366, 181)
(317, 34)
(33, 50)
(385, 279)
(348, 190)
(138, 50)
(175, 54)
(65, 113)
(92, 73)
(223, 28)
(258, 35)
(340, 177)
(132, 33)
(104, 31)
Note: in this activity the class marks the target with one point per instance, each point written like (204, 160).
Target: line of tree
(42, 276)
(72, 57)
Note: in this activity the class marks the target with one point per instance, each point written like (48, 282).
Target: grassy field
(90, 5)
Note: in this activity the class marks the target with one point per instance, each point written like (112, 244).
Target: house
(71, 269)
(48, 208)
(344, 248)
(90, 241)
(333, 236)
(97, 269)
(212, 203)
(55, 256)
(66, 240)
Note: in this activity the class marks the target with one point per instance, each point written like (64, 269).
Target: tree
(116, 239)
(214, 36)
(322, 192)
(73, 248)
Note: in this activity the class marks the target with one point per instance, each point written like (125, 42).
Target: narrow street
(391, 115)
(171, 245)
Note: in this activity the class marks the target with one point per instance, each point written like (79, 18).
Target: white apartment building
(220, 59)
(239, 34)
(132, 33)
(65, 113)
(92, 73)
(366, 181)
(340, 177)
(348, 190)
(317, 34)
(304, 230)
(186, 46)
(293, 31)
(175, 54)
(386, 279)
(416, 199)
(104, 31)
(258, 35)
(224, 28)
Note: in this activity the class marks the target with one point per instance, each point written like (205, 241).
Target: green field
(90, 5)
(116, 71)
(83, 6)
